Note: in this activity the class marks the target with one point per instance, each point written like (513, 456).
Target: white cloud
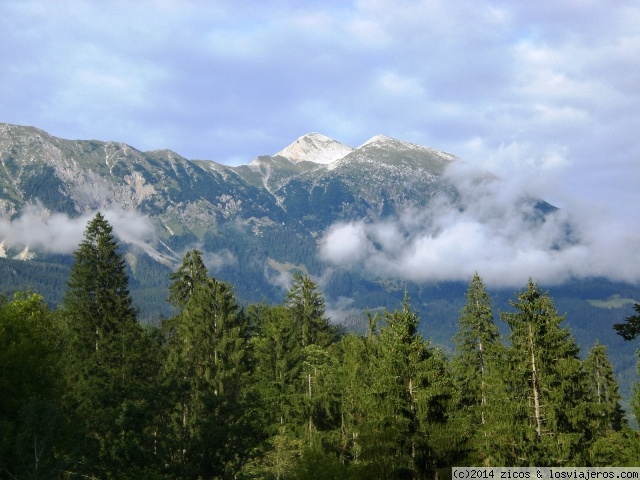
(37, 228)
(467, 77)
(215, 261)
(494, 230)
(346, 243)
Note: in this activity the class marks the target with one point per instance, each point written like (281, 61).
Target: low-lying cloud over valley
(40, 229)
(497, 228)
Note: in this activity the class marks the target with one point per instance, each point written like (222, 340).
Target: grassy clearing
(614, 301)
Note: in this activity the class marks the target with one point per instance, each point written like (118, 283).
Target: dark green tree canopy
(184, 281)
(97, 301)
(306, 304)
(630, 329)
(551, 398)
(609, 413)
(478, 366)
(105, 374)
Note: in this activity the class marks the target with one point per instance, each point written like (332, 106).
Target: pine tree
(207, 364)
(605, 390)
(479, 358)
(610, 425)
(306, 304)
(106, 375)
(548, 386)
(404, 435)
(191, 273)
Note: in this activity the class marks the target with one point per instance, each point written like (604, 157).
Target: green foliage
(190, 275)
(631, 328)
(278, 392)
(477, 369)
(315, 464)
(552, 404)
(604, 387)
(278, 364)
(31, 422)
(206, 368)
(306, 305)
(106, 372)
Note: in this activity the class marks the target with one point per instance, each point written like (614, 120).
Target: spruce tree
(610, 415)
(278, 381)
(477, 364)
(353, 380)
(610, 424)
(207, 365)
(306, 304)
(278, 364)
(548, 386)
(405, 433)
(184, 281)
(106, 375)
(97, 302)
(293, 372)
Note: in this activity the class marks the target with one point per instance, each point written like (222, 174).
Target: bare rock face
(312, 182)
(316, 148)
(243, 218)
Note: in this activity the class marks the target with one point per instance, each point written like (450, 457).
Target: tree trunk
(535, 388)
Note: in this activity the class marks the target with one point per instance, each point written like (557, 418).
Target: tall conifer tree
(610, 415)
(184, 281)
(479, 358)
(613, 444)
(105, 372)
(549, 388)
(276, 378)
(403, 435)
(207, 364)
(306, 305)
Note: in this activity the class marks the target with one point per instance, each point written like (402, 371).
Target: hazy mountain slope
(255, 223)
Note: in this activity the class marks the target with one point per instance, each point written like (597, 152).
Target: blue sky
(545, 93)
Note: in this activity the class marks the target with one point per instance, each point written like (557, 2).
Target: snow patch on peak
(382, 141)
(378, 139)
(315, 147)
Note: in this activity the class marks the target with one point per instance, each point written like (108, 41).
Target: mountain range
(257, 222)
(256, 225)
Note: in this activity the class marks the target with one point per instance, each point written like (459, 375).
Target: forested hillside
(297, 211)
(277, 391)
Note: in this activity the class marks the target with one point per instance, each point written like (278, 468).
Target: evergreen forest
(217, 390)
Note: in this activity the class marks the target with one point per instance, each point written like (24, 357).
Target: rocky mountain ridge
(316, 148)
(255, 224)
(264, 215)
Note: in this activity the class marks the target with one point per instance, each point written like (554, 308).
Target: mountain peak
(380, 138)
(315, 147)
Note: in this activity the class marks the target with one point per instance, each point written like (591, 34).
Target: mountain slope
(255, 223)
(315, 148)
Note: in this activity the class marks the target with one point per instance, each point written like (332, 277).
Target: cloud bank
(243, 80)
(37, 228)
(495, 228)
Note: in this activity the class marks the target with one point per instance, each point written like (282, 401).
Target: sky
(545, 94)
